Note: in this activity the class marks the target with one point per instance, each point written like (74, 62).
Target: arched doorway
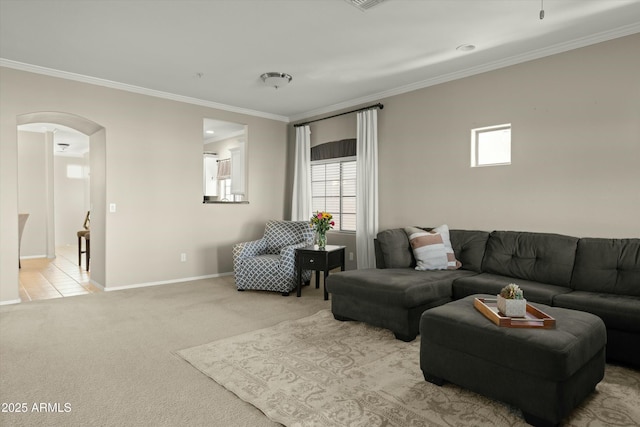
(97, 199)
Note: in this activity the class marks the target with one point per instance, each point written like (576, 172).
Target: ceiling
(218, 130)
(67, 142)
(213, 52)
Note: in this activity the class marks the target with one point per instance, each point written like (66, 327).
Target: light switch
(112, 207)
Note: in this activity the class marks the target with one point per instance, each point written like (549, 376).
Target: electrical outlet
(350, 256)
(183, 257)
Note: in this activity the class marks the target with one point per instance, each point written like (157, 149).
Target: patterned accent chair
(269, 264)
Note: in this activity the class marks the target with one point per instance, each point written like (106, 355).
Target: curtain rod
(380, 106)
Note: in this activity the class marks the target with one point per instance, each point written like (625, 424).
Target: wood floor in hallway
(46, 278)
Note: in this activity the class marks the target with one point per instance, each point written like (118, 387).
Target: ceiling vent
(364, 5)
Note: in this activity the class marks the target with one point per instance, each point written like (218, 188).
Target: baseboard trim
(138, 285)
(164, 282)
(35, 256)
(96, 284)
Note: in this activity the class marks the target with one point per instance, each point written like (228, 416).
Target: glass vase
(321, 239)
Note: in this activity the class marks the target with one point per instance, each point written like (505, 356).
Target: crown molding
(135, 89)
(490, 66)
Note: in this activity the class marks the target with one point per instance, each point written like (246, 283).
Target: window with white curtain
(333, 190)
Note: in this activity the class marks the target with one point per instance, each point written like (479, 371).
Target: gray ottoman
(544, 372)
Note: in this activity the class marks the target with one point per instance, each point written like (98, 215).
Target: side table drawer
(310, 261)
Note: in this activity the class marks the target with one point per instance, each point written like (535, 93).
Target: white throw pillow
(432, 249)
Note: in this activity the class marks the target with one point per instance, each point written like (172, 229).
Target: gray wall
(576, 151)
(575, 147)
(151, 156)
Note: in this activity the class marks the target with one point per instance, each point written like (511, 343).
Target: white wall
(153, 172)
(69, 201)
(32, 184)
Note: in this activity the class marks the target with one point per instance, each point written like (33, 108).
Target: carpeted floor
(317, 371)
(110, 357)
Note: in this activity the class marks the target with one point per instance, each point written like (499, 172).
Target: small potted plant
(511, 302)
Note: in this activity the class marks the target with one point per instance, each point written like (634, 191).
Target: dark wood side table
(312, 258)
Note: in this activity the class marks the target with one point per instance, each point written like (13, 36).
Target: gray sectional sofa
(596, 275)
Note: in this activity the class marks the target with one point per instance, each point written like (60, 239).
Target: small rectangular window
(491, 146)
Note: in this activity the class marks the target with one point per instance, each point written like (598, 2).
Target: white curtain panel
(367, 187)
(301, 198)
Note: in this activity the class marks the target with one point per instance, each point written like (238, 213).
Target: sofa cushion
(617, 312)
(469, 246)
(487, 283)
(395, 248)
(432, 249)
(394, 251)
(608, 266)
(539, 257)
(404, 287)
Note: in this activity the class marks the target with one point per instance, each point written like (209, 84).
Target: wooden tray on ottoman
(534, 318)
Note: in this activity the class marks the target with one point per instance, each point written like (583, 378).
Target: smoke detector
(364, 5)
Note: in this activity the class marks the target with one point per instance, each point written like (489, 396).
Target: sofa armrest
(290, 251)
(248, 249)
(288, 256)
(379, 256)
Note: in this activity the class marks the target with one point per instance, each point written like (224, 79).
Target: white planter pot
(512, 307)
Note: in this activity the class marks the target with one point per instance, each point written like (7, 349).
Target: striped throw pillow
(432, 249)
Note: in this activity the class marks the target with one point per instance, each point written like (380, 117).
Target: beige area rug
(317, 371)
